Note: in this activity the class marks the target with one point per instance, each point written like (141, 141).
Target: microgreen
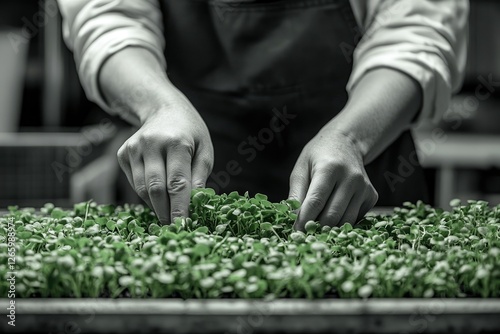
(239, 246)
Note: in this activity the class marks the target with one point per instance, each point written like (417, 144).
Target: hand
(168, 156)
(330, 180)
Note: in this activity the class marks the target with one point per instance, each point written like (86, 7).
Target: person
(306, 99)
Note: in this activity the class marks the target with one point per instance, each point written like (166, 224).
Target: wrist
(380, 107)
(348, 134)
(134, 84)
(157, 100)
(150, 110)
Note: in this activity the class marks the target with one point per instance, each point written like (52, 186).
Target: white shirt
(426, 39)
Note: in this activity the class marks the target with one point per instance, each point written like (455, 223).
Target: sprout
(347, 286)
(298, 237)
(237, 246)
(165, 278)
(311, 226)
(365, 291)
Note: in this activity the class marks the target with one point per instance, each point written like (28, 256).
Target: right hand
(168, 156)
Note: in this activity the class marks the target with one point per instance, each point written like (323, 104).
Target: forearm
(134, 84)
(380, 107)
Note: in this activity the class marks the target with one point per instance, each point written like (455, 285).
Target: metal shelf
(255, 316)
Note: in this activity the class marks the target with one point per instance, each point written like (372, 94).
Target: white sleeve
(426, 39)
(96, 29)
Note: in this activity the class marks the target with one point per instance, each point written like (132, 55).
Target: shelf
(255, 316)
(458, 150)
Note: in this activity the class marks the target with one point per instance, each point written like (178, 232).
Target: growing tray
(252, 316)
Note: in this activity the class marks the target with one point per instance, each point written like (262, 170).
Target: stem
(87, 207)
(276, 234)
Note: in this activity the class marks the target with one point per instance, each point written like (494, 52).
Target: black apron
(266, 76)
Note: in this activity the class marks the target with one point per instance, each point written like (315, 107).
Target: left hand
(330, 181)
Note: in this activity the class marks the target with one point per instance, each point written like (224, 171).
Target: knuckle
(142, 191)
(147, 139)
(333, 165)
(122, 156)
(133, 146)
(177, 213)
(172, 141)
(332, 217)
(357, 178)
(341, 167)
(179, 143)
(198, 184)
(177, 184)
(156, 188)
(315, 202)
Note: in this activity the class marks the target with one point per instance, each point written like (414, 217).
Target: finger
(299, 181)
(124, 162)
(137, 170)
(336, 206)
(179, 180)
(202, 166)
(322, 185)
(155, 179)
(352, 211)
(367, 205)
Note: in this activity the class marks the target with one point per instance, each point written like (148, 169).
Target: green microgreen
(238, 246)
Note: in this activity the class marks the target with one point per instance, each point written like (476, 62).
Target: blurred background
(57, 147)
